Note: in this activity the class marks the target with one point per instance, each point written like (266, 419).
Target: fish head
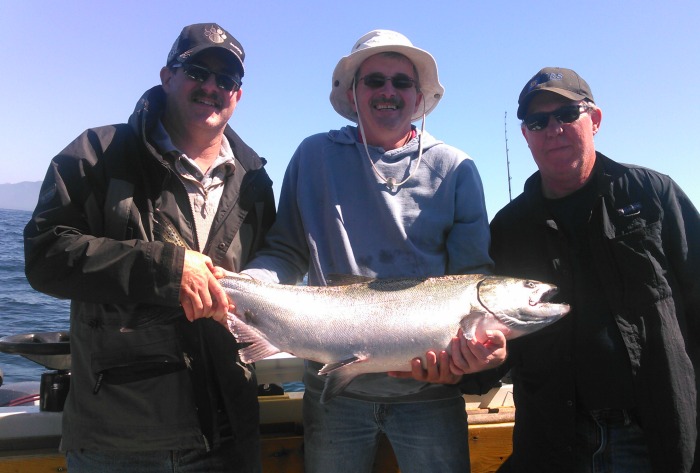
(518, 306)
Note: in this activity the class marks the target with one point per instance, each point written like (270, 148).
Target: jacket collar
(150, 108)
(605, 172)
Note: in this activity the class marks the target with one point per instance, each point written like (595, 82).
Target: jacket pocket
(135, 355)
(640, 261)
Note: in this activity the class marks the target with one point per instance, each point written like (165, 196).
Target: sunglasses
(399, 81)
(201, 74)
(566, 114)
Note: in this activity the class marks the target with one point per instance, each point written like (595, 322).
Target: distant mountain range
(20, 196)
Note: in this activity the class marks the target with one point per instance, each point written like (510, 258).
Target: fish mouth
(544, 297)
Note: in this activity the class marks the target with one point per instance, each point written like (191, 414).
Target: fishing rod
(505, 130)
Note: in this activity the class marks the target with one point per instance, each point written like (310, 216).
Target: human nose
(210, 82)
(554, 126)
(388, 91)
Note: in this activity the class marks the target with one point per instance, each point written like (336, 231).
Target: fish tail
(164, 230)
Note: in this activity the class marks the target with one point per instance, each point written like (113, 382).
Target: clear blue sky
(69, 65)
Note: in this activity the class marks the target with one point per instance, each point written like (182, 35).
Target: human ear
(596, 118)
(166, 76)
(351, 99)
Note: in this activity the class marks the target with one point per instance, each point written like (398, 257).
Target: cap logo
(215, 35)
(546, 77)
(236, 49)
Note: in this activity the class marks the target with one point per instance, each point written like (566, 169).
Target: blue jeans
(223, 459)
(610, 441)
(341, 436)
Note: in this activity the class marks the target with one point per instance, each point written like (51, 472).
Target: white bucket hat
(379, 41)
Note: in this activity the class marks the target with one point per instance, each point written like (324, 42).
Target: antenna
(505, 130)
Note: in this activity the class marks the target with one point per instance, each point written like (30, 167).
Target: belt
(614, 416)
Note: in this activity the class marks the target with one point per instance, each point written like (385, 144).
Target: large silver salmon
(381, 325)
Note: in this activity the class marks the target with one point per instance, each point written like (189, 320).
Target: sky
(71, 65)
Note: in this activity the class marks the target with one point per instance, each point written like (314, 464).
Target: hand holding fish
(472, 356)
(468, 356)
(436, 370)
(201, 295)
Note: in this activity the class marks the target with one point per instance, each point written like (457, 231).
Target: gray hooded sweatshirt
(336, 216)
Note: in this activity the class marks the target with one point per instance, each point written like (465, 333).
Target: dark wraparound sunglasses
(201, 74)
(566, 114)
(399, 81)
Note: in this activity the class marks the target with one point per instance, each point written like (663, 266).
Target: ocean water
(22, 309)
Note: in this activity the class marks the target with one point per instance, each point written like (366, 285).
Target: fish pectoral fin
(331, 367)
(472, 323)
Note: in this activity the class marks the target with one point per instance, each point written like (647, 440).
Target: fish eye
(530, 284)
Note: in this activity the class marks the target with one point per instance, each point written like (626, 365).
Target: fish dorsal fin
(375, 284)
(253, 345)
(335, 279)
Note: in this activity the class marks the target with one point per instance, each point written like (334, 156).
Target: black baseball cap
(196, 38)
(558, 80)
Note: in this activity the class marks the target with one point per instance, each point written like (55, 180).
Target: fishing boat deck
(29, 437)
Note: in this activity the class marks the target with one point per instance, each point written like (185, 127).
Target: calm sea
(22, 309)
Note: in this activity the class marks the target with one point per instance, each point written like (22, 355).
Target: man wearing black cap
(134, 223)
(613, 386)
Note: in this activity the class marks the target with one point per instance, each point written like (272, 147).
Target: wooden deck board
(489, 446)
(490, 437)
